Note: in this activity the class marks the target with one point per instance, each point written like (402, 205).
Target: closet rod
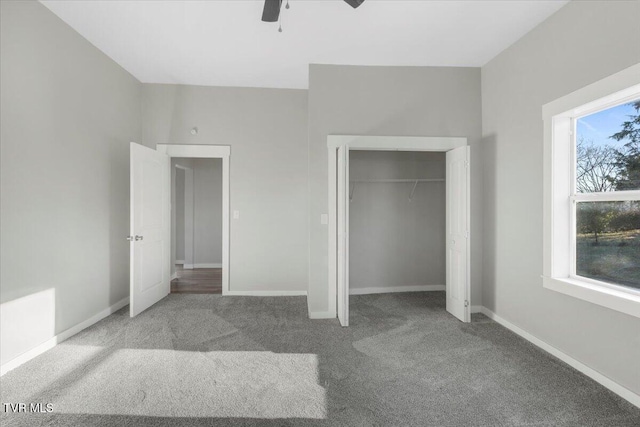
(398, 180)
(413, 190)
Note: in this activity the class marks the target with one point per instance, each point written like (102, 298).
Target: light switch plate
(236, 214)
(324, 219)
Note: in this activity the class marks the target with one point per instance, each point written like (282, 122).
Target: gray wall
(393, 241)
(388, 101)
(580, 44)
(207, 182)
(267, 132)
(68, 113)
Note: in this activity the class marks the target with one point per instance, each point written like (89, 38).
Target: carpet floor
(210, 360)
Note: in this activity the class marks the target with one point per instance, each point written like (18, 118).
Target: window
(605, 195)
(592, 193)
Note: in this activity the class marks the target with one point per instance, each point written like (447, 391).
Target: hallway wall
(207, 181)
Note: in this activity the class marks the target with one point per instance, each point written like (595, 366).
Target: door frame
(211, 152)
(370, 143)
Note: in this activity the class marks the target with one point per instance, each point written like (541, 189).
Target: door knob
(139, 238)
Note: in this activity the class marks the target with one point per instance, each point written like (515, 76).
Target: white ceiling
(224, 43)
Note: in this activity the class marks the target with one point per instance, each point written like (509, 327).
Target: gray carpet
(212, 360)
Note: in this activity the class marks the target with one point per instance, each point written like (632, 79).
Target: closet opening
(399, 220)
(196, 217)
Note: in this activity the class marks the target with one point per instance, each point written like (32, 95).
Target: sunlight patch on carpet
(171, 383)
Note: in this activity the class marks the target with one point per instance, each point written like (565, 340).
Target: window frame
(561, 198)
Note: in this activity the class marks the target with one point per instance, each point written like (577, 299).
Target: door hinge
(466, 303)
(466, 234)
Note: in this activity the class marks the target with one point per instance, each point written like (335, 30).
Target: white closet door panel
(343, 235)
(458, 237)
(150, 256)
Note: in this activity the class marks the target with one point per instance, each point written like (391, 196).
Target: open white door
(343, 235)
(150, 256)
(458, 238)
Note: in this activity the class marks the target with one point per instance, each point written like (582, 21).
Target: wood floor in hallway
(197, 281)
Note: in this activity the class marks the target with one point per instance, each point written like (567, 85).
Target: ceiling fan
(271, 11)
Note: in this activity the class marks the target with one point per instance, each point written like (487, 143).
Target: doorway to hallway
(152, 235)
(196, 225)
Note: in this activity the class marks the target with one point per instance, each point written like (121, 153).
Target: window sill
(625, 302)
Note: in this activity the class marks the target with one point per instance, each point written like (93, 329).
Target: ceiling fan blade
(354, 3)
(271, 11)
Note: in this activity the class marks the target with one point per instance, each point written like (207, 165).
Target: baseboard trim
(266, 293)
(390, 289)
(476, 309)
(57, 339)
(213, 265)
(204, 265)
(321, 315)
(179, 261)
(618, 389)
(174, 276)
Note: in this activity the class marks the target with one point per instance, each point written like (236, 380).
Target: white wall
(179, 189)
(267, 132)
(207, 181)
(68, 113)
(396, 242)
(388, 101)
(179, 216)
(580, 44)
